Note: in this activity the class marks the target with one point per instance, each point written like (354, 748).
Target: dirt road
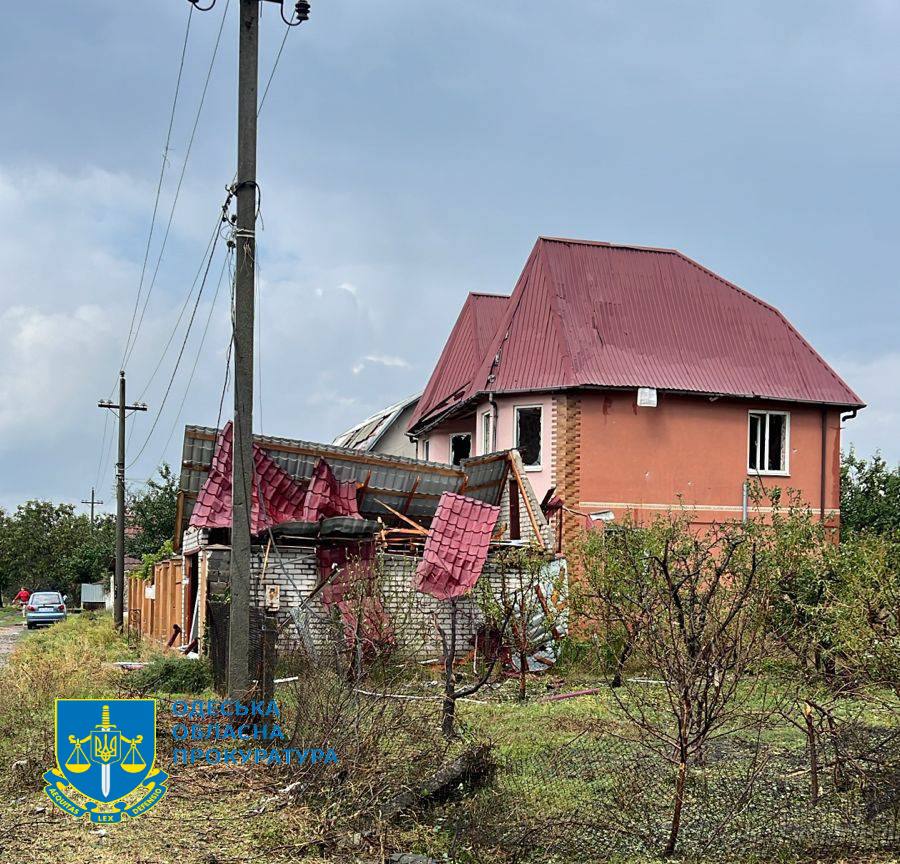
(8, 636)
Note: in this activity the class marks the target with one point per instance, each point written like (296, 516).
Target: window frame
(450, 438)
(426, 450)
(763, 444)
(516, 409)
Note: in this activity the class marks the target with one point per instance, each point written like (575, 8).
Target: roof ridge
(608, 245)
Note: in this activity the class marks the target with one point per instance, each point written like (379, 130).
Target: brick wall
(567, 456)
(295, 571)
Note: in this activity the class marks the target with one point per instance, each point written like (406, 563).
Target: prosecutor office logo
(105, 754)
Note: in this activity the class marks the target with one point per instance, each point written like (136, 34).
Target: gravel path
(8, 637)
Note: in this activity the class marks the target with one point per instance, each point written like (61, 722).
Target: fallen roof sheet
(456, 547)
(586, 314)
(283, 498)
(411, 486)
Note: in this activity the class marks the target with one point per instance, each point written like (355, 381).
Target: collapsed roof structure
(388, 488)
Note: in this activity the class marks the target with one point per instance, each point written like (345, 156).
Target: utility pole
(242, 454)
(92, 502)
(242, 467)
(123, 409)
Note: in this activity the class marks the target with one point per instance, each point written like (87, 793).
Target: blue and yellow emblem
(105, 754)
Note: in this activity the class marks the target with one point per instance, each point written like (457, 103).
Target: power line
(159, 185)
(183, 343)
(262, 100)
(184, 306)
(187, 389)
(102, 449)
(187, 157)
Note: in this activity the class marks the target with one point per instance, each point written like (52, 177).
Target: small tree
(151, 513)
(693, 605)
(870, 494)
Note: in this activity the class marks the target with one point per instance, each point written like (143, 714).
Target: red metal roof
(456, 547)
(587, 314)
(326, 496)
(469, 340)
(284, 499)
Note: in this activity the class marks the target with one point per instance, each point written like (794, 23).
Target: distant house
(384, 431)
(635, 379)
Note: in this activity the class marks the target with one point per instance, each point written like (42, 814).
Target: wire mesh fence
(609, 798)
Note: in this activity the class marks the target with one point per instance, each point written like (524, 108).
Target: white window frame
(487, 432)
(426, 450)
(517, 409)
(450, 438)
(762, 444)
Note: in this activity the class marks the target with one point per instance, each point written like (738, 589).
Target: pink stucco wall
(540, 478)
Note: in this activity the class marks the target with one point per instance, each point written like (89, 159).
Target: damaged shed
(325, 518)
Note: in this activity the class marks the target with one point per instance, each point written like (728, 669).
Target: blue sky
(411, 151)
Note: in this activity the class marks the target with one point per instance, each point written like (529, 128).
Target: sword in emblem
(106, 748)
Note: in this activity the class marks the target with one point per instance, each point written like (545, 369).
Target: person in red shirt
(22, 597)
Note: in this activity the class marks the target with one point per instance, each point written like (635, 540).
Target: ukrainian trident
(105, 762)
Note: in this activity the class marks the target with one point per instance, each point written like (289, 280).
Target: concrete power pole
(242, 476)
(93, 502)
(119, 585)
(242, 455)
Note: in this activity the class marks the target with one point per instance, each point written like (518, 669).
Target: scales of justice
(106, 746)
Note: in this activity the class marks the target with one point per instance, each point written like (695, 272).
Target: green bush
(169, 674)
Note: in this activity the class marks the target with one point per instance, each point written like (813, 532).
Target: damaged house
(325, 520)
(635, 380)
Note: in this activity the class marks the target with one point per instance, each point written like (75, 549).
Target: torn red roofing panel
(283, 498)
(587, 314)
(471, 335)
(368, 623)
(354, 563)
(456, 547)
(326, 496)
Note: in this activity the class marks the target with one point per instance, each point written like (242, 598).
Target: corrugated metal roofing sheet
(469, 340)
(412, 486)
(456, 547)
(589, 314)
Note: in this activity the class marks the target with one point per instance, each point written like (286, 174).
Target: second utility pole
(119, 584)
(242, 450)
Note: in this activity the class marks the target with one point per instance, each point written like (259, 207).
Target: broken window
(487, 443)
(460, 447)
(528, 435)
(768, 444)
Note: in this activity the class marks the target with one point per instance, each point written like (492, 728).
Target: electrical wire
(159, 185)
(184, 306)
(180, 355)
(187, 389)
(231, 276)
(187, 157)
(102, 449)
(265, 93)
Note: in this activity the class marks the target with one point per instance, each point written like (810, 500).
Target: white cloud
(389, 360)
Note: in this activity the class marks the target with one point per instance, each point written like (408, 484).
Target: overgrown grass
(64, 661)
(10, 616)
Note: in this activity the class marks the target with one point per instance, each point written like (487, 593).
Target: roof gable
(468, 341)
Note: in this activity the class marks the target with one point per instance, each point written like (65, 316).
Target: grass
(10, 616)
(219, 814)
